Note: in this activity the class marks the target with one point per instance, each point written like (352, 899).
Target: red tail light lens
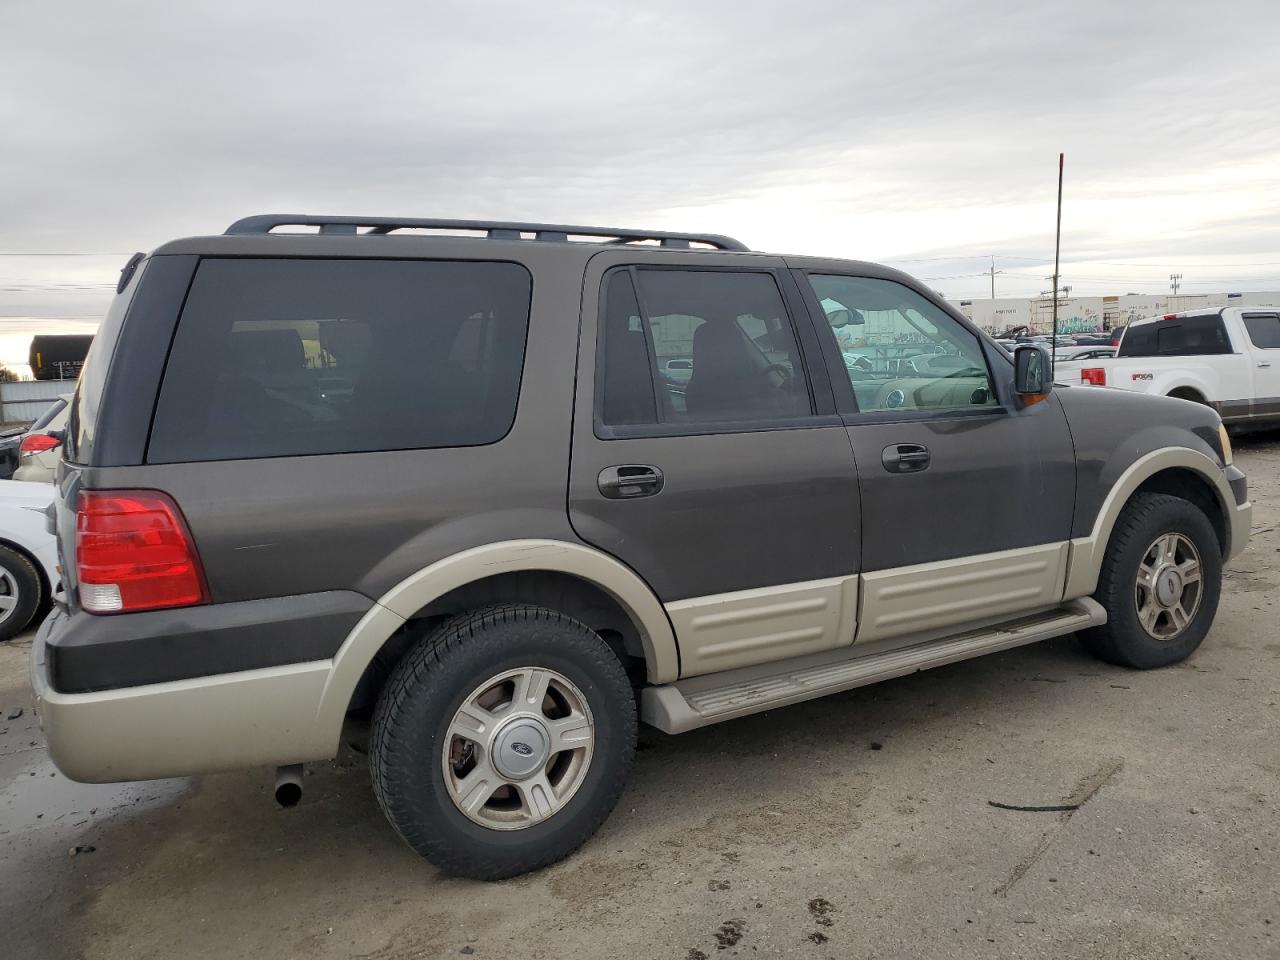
(37, 443)
(1095, 375)
(134, 552)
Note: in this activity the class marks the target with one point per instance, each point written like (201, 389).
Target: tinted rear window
(1180, 337)
(280, 358)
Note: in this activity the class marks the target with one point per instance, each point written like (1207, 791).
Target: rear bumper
(88, 653)
(249, 718)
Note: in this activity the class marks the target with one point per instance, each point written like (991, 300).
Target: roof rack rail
(494, 230)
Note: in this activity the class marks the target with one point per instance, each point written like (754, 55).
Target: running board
(689, 704)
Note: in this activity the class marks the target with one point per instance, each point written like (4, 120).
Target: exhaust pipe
(289, 785)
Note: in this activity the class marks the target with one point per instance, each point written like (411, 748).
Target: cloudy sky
(920, 133)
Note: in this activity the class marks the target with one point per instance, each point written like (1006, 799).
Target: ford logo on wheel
(522, 748)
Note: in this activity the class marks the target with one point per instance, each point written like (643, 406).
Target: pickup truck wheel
(21, 592)
(502, 740)
(1160, 583)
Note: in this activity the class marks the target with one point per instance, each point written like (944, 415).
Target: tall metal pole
(1057, 248)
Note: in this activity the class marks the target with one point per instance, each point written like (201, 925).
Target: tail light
(1095, 375)
(37, 443)
(134, 552)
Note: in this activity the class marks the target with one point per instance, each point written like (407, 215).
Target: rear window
(1179, 337)
(1264, 330)
(278, 358)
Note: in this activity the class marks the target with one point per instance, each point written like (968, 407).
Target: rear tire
(21, 592)
(502, 740)
(1160, 584)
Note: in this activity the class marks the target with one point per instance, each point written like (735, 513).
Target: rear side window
(1179, 337)
(1264, 330)
(82, 423)
(292, 357)
(698, 346)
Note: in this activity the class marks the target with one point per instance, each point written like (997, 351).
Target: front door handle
(905, 457)
(1264, 363)
(630, 480)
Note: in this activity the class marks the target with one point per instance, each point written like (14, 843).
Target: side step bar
(689, 704)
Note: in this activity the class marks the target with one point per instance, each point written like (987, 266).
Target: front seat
(728, 380)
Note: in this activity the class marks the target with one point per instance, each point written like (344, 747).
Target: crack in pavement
(1082, 794)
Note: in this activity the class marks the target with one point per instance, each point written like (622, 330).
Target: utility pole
(993, 271)
(1174, 279)
(1057, 249)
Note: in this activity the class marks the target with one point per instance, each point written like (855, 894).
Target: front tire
(1160, 584)
(21, 592)
(502, 740)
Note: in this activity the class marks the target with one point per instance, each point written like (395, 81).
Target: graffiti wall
(1096, 314)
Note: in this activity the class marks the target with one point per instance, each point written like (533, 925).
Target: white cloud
(886, 131)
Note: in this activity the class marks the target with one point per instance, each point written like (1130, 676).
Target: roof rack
(494, 230)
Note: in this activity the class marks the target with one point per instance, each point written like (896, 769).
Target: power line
(1193, 261)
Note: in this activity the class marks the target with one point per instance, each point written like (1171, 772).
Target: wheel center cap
(520, 748)
(1168, 587)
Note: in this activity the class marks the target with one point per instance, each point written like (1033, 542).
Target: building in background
(1096, 314)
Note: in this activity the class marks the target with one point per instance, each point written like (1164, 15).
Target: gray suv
(438, 471)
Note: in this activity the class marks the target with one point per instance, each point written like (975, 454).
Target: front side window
(900, 351)
(1264, 330)
(293, 357)
(697, 346)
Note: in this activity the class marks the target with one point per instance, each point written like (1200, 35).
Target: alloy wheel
(518, 748)
(1169, 586)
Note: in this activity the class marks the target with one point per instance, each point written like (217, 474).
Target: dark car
(433, 469)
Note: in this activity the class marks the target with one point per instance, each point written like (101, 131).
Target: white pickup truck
(1227, 358)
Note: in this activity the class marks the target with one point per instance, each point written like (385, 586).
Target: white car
(1228, 359)
(28, 554)
(679, 370)
(40, 450)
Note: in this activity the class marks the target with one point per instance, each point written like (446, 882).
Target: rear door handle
(630, 480)
(906, 457)
(1264, 363)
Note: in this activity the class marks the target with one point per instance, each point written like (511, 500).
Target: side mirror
(1032, 372)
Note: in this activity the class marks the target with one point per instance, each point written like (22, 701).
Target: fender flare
(1187, 385)
(1085, 562)
(413, 593)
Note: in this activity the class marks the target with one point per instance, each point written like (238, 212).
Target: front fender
(1085, 561)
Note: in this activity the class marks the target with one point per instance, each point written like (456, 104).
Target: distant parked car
(1227, 359)
(9, 441)
(1084, 353)
(28, 555)
(41, 446)
(679, 370)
